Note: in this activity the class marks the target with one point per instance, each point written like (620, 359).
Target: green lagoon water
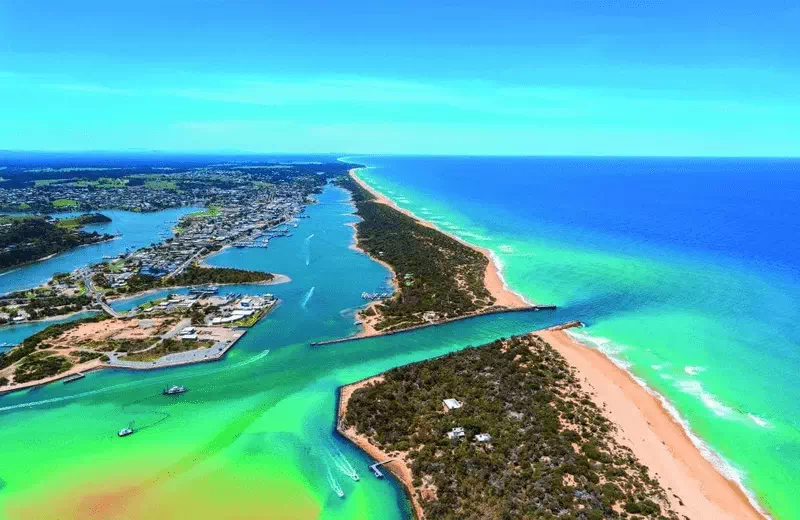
(254, 436)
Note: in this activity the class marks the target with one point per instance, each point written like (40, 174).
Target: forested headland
(551, 452)
(27, 239)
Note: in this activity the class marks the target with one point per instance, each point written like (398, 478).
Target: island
(26, 239)
(436, 276)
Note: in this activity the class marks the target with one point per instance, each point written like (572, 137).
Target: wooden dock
(375, 468)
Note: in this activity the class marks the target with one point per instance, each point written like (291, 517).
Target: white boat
(125, 432)
(174, 390)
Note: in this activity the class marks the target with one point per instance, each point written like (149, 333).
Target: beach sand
(492, 279)
(655, 437)
(694, 486)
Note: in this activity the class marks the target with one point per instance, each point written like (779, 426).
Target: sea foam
(723, 465)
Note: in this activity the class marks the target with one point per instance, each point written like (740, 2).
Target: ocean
(686, 271)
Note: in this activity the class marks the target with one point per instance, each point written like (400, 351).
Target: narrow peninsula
(437, 277)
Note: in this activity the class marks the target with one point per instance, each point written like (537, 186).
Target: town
(245, 206)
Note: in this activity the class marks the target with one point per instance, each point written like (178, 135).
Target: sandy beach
(492, 279)
(655, 437)
(83, 368)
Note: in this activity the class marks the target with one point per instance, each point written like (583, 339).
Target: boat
(125, 432)
(174, 390)
(340, 493)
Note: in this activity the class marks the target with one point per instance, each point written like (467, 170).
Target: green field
(211, 211)
(65, 203)
(45, 182)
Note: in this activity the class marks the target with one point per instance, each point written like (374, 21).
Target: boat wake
(307, 297)
(308, 248)
(132, 384)
(342, 464)
(334, 484)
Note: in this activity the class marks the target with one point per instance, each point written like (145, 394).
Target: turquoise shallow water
(684, 270)
(254, 436)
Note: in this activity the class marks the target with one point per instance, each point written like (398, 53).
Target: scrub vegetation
(435, 273)
(192, 275)
(552, 453)
(27, 239)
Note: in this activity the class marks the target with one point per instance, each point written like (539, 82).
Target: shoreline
(493, 277)
(654, 435)
(399, 469)
(643, 424)
(277, 280)
(91, 366)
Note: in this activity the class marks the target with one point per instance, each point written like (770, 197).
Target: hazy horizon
(572, 78)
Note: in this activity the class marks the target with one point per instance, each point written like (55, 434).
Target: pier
(503, 310)
(375, 468)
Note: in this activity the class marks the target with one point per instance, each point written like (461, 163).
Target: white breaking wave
(505, 248)
(722, 465)
(759, 420)
(711, 401)
(693, 370)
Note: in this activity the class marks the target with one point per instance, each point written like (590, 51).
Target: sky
(562, 77)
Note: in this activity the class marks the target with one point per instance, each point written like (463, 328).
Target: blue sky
(563, 77)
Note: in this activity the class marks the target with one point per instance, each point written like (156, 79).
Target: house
(430, 315)
(456, 433)
(188, 330)
(452, 404)
(483, 437)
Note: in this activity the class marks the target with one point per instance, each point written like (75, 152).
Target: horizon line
(341, 155)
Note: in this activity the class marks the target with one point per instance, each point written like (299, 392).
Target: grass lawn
(46, 182)
(211, 211)
(65, 203)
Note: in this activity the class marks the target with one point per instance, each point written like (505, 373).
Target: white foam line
(498, 264)
(716, 459)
